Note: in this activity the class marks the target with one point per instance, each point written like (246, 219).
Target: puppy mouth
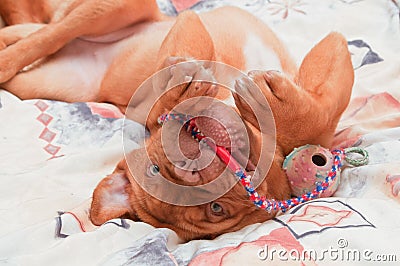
(219, 127)
(228, 135)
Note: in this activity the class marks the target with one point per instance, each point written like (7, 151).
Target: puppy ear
(327, 72)
(188, 38)
(111, 198)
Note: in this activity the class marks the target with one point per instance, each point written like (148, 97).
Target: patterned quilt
(52, 155)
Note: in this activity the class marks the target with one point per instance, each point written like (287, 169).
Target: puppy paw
(274, 85)
(249, 100)
(184, 78)
(294, 110)
(260, 92)
(191, 79)
(13, 53)
(8, 67)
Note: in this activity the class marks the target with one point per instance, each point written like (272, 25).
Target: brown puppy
(306, 102)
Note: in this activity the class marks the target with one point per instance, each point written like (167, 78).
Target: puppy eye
(216, 208)
(153, 170)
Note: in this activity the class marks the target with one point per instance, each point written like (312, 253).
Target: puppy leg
(307, 110)
(184, 78)
(187, 40)
(12, 34)
(91, 17)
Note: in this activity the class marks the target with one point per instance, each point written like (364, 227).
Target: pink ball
(308, 165)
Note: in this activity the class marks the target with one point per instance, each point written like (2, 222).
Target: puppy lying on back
(90, 59)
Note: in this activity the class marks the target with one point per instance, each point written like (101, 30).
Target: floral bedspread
(52, 155)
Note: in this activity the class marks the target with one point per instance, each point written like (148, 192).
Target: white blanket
(53, 154)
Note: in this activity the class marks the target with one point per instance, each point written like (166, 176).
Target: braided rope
(261, 201)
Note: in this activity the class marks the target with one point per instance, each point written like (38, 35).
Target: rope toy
(304, 188)
(309, 165)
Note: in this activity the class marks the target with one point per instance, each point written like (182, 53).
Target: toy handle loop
(356, 162)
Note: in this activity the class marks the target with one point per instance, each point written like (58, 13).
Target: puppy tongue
(225, 128)
(214, 130)
(223, 125)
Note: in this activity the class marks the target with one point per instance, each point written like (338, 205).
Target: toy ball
(307, 167)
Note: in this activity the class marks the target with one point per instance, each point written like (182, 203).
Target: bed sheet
(52, 154)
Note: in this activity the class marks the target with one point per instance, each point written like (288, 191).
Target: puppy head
(179, 183)
(125, 193)
(146, 185)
